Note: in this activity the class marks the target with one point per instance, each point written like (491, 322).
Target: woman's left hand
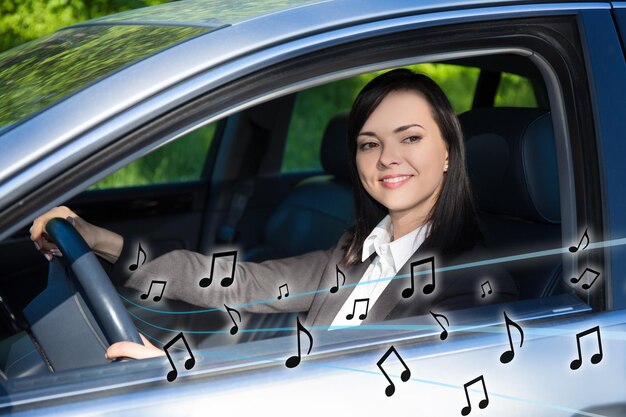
(133, 350)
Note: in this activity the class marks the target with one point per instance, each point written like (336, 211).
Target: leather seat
(511, 160)
(320, 208)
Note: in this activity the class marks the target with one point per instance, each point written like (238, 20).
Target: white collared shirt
(391, 256)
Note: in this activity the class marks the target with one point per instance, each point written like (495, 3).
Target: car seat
(318, 210)
(512, 165)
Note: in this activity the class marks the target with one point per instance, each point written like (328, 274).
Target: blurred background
(22, 21)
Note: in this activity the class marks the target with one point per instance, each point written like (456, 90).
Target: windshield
(35, 75)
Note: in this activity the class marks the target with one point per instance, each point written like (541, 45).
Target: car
(214, 127)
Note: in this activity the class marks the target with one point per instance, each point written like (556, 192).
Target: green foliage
(181, 160)
(24, 20)
(515, 91)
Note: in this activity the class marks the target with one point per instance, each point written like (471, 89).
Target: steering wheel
(107, 307)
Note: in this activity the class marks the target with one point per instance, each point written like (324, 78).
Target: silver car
(200, 125)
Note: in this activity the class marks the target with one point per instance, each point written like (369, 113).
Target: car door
(558, 368)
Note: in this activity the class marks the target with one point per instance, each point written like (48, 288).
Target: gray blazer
(309, 278)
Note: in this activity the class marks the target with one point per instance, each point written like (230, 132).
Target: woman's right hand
(103, 242)
(132, 350)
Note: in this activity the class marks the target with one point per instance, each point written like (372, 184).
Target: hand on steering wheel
(104, 301)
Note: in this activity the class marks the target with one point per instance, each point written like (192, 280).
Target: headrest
(334, 151)
(511, 161)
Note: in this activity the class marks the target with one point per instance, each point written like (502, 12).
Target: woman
(413, 204)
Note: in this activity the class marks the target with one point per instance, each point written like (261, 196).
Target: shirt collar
(379, 241)
(381, 234)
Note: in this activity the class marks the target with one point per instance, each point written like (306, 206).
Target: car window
(515, 91)
(178, 161)
(316, 106)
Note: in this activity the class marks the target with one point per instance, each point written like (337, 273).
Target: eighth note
(596, 358)
(444, 333)
(235, 328)
(404, 376)
(362, 316)
(482, 404)
(136, 265)
(335, 288)
(280, 293)
(156, 297)
(482, 287)
(508, 356)
(226, 281)
(574, 249)
(586, 286)
(189, 363)
(428, 288)
(294, 361)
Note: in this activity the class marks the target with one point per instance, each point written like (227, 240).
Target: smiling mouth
(395, 182)
(396, 179)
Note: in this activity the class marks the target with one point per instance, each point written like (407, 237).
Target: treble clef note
(362, 316)
(482, 404)
(156, 297)
(294, 361)
(574, 249)
(139, 252)
(482, 287)
(444, 333)
(428, 288)
(596, 358)
(586, 286)
(508, 356)
(335, 288)
(404, 376)
(189, 363)
(235, 328)
(226, 281)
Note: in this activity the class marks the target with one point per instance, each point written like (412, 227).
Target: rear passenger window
(316, 106)
(515, 91)
(178, 161)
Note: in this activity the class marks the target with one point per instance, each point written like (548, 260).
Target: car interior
(242, 198)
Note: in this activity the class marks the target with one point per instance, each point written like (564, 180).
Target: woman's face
(401, 157)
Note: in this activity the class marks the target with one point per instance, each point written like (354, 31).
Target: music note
(586, 286)
(428, 288)
(362, 316)
(189, 363)
(235, 328)
(482, 404)
(294, 361)
(136, 265)
(156, 297)
(596, 358)
(404, 376)
(444, 333)
(226, 281)
(280, 293)
(574, 249)
(508, 356)
(482, 287)
(335, 288)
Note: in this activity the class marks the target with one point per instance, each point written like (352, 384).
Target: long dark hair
(454, 227)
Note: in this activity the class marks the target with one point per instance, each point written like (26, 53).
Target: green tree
(24, 20)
